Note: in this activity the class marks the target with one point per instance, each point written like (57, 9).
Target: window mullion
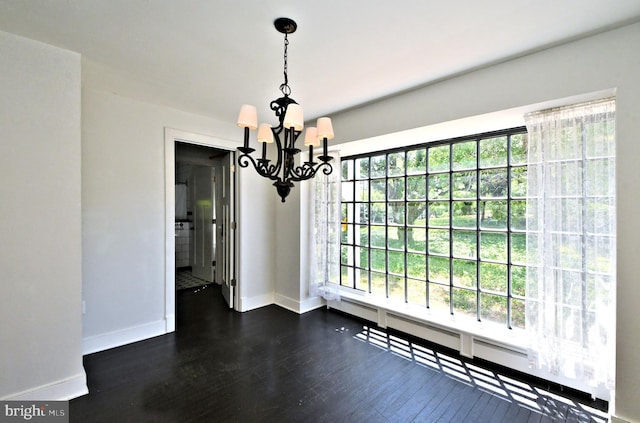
(451, 229)
(386, 225)
(509, 293)
(406, 231)
(478, 290)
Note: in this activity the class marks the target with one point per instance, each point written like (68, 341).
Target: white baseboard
(312, 304)
(121, 337)
(170, 323)
(299, 307)
(288, 303)
(251, 303)
(62, 390)
(614, 419)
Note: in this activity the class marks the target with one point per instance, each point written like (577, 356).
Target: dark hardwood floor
(272, 365)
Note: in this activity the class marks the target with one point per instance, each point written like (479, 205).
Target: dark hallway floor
(272, 365)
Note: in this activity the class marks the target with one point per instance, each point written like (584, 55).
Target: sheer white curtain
(571, 250)
(324, 232)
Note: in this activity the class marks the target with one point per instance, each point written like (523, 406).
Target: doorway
(199, 215)
(197, 191)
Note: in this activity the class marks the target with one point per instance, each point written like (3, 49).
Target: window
(440, 225)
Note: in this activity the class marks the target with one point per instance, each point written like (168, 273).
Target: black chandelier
(291, 123)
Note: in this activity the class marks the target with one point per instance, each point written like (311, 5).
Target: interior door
(203, 219)
(227, 228)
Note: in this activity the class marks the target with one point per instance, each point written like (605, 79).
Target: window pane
(493, 308)
(493, 183)
(493, 152)
(598, 211)
(464, 302)
(519, 182)
(378, 190)
(378, 284)
(438, 297)
(345, 279)
(395, 213)
(598, 253)
(438, 214)
(347, 170)
(362, 168)
(519, 248)
(378, 236)
(378, 213)
(600, 178)
(378, 260)
(439, 187)
(439, 269)
(347, 191)
(362, 235)
(346, 256)
(416, 161)
(464, 185)
(417, 266)
(347, 212)
(378, 166)
(362, 191)
(518, 149)
(438, 241)
(519, 215)
(416, 213)
(362, 257)
(395, 163)
(416, 187)
(417, 292)
(395, 189)
(362, 280)
(396, 288)
(464, 273)
(600, 138)
(465, 155)
(465, 244)
(464, 214)
(347, 234)
(569, 177)
(517, 313)
(493, 277)
(439, 159)
(395, 237)
(361, 213)
(396, 262)
(493, 246)
(518, 280)
(416, 239)
(493, 215)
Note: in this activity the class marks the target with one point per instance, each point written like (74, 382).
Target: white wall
(40, 252)
(123, 217)
(609, 61)
(287, 242)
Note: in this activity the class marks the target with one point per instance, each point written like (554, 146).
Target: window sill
(512, 339)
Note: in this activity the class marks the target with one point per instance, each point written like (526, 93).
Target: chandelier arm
(306, 171)
(263, 168)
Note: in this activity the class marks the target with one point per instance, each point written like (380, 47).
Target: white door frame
(172, 135)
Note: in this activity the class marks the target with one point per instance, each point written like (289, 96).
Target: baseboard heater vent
(391, 316)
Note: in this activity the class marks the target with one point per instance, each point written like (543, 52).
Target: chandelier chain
(286, 90)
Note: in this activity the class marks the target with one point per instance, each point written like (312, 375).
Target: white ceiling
(210, 56)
